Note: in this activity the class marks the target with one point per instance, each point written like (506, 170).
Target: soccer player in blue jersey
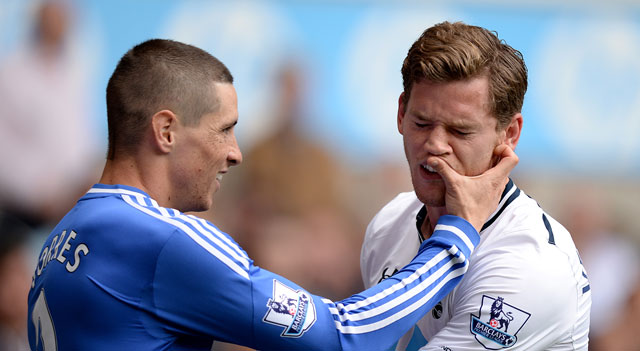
(127, 269)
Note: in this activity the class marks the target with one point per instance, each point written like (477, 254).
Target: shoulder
(523, 218)
(187, 244)
(528, 242)
(137, 217)
(144, 221)
(528, 260)
(391, 239)
(201, 237)
(394, 222)
(398, 213)
(524, 225)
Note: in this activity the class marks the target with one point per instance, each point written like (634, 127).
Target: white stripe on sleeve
(369, 327)
(420, 288)
(397, 286)
(458, 232)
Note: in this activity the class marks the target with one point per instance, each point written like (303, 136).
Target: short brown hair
(155, 75)
(456, 51)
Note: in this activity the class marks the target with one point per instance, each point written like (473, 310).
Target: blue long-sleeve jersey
(119, 272)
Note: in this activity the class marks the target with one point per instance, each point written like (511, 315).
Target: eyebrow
(458, 123)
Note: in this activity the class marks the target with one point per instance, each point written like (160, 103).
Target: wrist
(465, 236)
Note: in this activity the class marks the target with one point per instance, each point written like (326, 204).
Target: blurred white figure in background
(612, 262)
(46, 151)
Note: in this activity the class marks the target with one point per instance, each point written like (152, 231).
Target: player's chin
(433, 202)
(432, 196)
(202, 204)
(208, 203)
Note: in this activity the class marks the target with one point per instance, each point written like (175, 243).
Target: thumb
(507, 161)
(448, 174)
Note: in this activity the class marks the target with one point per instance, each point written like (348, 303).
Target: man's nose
(437, 141)
(235, 155)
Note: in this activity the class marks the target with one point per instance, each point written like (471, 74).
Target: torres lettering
(60, 250)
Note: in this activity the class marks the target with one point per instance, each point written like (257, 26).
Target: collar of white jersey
(102, 190)
(510, 193)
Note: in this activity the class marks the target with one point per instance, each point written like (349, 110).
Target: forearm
(379, 316)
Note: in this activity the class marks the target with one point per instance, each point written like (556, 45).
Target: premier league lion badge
(292, 309)
(498, 323)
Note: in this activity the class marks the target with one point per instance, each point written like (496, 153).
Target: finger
(447, 173)
(507, 161)
(501, 149)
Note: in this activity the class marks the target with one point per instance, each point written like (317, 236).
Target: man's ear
(401, 110)
(164, 124)
(512, 131)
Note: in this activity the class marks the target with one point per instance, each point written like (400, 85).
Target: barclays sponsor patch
(498, 323)
(292, 309)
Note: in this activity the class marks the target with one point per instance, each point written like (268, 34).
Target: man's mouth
(219, 177)
(428, 168)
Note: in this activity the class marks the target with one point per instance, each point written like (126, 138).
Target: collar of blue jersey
(101, 190)
(509, 194)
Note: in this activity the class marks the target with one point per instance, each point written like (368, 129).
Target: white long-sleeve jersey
(525, 288)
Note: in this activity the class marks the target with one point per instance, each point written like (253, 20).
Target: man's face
(452, 121)
(206, 151)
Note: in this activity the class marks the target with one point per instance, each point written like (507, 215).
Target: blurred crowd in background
(296, 205)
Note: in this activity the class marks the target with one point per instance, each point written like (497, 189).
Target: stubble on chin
(432, 201)
(432, 195)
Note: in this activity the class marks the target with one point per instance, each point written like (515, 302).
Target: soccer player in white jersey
(525, 288)
(126, 269)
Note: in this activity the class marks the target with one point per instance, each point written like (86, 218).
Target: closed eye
(229, 128)
(462, 132)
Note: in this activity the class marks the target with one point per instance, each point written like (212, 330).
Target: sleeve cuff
(454, 230)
